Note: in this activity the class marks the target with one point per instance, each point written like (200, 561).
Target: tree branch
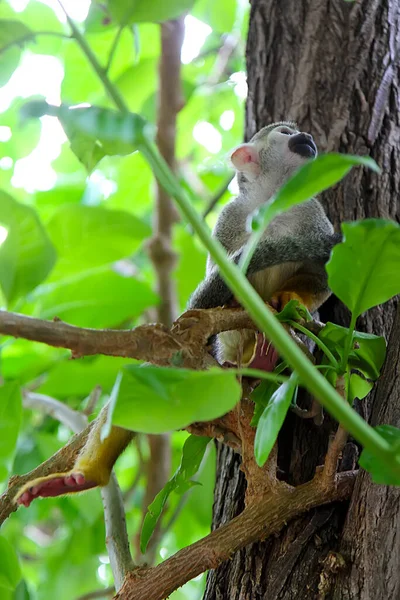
(116, 533)
(163, 257)
(72, 419)
(154, 343)
(143, 342)
(256, 522)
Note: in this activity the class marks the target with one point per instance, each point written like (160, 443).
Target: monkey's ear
(245, 159)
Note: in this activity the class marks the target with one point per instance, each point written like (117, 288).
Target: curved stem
(348, 343)
(316, 340)
(251, 301)
(110, 88)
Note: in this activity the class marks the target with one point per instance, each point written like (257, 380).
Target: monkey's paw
(53, 485)
(280, 299)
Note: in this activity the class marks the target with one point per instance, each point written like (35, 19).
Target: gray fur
(300, 240)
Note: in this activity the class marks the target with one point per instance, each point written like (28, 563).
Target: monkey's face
(273, 154)
(284, 149)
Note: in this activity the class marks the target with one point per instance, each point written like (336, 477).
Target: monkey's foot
(280, 299)
(53, 485)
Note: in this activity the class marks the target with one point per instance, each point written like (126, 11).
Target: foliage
(192, 455)
(74, 228)
(77, 225)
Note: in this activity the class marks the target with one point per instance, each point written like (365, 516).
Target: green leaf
(10, 422)
(91, 236)
(140, 11)
(293, 311)
(110, 132)
(359, 387)
(364, 269)
(272, 419)
(25, 136)
(378, 469)
(100, 298)
(311, 179)
(21, 591)
(138, 82)
(191, 263)
(27, 255)
(192, 455)
(219, 15)
(368, 353)
(261, 396)
(10, 572)
(11, 31)
(77, 378)
(156, 400)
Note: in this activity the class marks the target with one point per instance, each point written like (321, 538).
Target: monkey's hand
(92, 467)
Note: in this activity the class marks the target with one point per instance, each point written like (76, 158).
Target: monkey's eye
(285, 131)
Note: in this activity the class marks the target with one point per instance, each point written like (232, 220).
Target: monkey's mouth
(303, 144)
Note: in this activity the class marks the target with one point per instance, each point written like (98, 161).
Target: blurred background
(98, 273)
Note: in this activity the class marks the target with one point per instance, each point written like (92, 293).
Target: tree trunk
(333, 67)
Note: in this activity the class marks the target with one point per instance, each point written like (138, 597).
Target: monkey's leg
(91, 469)
(310, 289)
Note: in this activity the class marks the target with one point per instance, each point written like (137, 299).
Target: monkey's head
(271, 157)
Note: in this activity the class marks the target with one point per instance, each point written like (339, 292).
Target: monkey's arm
(92, 467)
(213, 291)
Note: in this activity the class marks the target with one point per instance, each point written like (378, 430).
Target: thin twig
(116, 533)
(131, 8)
(73, 419)
(93, 399)
(110, 88)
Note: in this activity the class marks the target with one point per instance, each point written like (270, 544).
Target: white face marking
(277, 161)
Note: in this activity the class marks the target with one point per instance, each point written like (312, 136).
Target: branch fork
(270, 503)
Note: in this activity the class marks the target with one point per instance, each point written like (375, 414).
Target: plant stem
(348, 344)
(258, 374)
(317, 341)
(110, 88)
(248, 297)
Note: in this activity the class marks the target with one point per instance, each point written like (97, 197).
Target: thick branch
(143, 342)
(153, 343)
(257, 521)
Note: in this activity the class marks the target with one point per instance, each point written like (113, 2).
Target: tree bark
(333, 67)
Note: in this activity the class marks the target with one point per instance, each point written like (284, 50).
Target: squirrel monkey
(288, 263)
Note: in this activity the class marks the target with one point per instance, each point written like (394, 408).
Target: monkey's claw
(53, 485)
